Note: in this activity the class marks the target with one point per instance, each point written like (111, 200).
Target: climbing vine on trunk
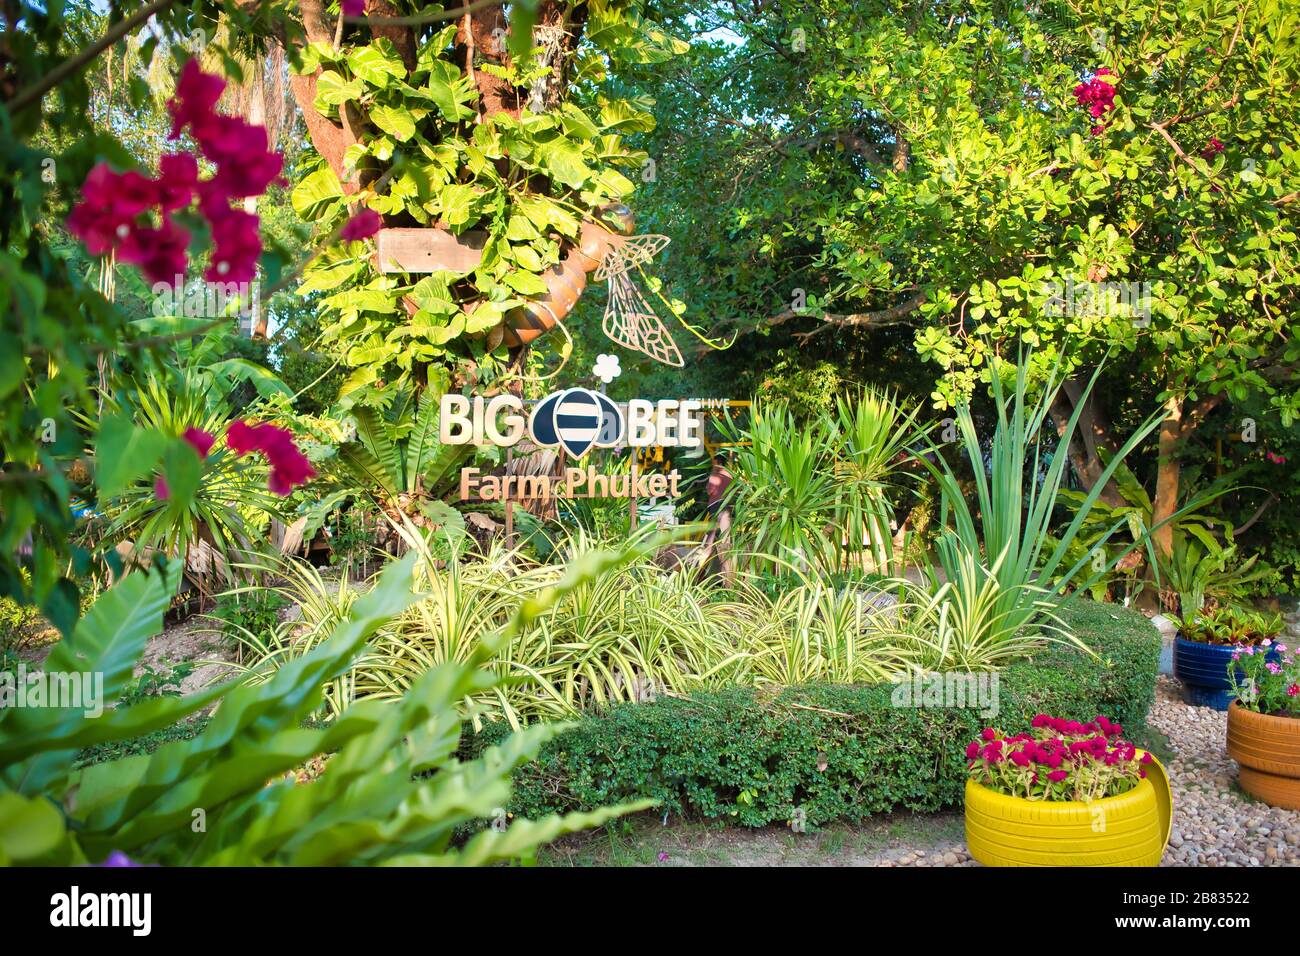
(463, 127)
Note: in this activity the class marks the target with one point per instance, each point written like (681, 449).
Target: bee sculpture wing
(630, 322)
(633, 251)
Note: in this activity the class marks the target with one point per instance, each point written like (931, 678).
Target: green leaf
(318, 194)
(456, 201)
(333, 90)
(235, 370)
(124, 452)
(377, 63)
(183, 470)
(31, 831)
(526, 283)
(396, 121)
(565, 165)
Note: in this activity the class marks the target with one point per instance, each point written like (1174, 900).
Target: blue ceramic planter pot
(1203, 670)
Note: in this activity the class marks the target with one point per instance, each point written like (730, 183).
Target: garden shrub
(751, 756)
(254, 612)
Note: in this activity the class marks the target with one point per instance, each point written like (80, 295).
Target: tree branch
(893, 315)
(74, 64)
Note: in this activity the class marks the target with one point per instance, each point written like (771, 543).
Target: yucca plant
(784, 494)
(820, 494)
(872, 434)
(971, 623)
(391, 792)
(1000, 581)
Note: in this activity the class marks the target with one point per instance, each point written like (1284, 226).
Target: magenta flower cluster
(1060, 760)
(1098, 95)
(118, 210)
(289, 466)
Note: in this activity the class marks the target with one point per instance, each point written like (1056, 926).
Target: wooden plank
(429, 250)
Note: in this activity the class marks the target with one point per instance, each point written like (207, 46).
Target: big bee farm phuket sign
(575, 420)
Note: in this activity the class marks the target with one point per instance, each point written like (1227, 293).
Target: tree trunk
(1092, 435)
(1167, 474)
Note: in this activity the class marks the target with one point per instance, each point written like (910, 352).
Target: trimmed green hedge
(836, 752)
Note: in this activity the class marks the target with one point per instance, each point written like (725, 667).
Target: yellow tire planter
(1268, 750)
(1131, 829)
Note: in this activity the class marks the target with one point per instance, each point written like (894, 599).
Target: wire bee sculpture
(607, 249)
(629, 321)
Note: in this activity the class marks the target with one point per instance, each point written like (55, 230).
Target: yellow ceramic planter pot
(1268, 749)
(1131, 829)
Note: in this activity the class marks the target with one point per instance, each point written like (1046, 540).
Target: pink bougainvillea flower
(250, 177)
(237, 245)
(160, 253)
(199, 440)
(196, 97)
(178, 177)
(354, 8)
(160, 489)
(134, 193)
(109, 205)
(98, 228)
(1098, 95)
(107, 217)
(363, 224)
(1275, 458)
(227, 139)
(241, 437)
(289, 466)
(1212, 148)
(245, 167)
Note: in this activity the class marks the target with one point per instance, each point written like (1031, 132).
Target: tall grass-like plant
(631, 635)
(1000, 585)
(819, 633)
(320, 605)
